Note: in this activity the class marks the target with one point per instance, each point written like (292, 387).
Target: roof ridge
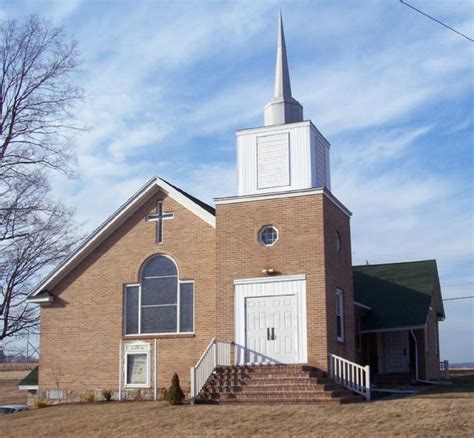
(394, 263)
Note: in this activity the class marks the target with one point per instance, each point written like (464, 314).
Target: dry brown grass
(442, 411)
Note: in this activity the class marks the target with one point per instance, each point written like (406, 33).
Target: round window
(268, 235)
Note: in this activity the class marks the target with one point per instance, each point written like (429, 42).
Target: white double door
(271, 329)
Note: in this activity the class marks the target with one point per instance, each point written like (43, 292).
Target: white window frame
(178, 307)
(340, 313)
(137, 353)
(260, 233)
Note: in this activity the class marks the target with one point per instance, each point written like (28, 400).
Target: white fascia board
(285, 194)
(273, 279)
(395, 329)
(284, 127)
(28, 387)
(272, 128)
(40, 300)
(115, 220)
(362, 306)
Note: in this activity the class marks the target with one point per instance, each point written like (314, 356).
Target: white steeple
(287, 154)
(283, 108)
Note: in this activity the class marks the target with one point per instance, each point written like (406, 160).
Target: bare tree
(37, 127)
(26, 259)
(36, 95)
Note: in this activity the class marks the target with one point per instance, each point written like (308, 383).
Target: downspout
(416, 354)
(416, 363)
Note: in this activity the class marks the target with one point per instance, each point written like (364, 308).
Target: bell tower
(288, 153)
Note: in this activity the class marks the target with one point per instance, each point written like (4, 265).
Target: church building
(260, 287)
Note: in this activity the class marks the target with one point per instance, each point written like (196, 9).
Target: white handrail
(351, 375)
(216, 354)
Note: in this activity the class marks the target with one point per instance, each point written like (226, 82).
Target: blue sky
(167, 84)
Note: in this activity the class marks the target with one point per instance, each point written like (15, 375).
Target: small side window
(338, 242)
(340, 314)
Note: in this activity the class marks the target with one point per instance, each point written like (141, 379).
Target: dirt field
(440, 411)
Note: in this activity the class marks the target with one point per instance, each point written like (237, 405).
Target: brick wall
(307, 231)
(82, 329)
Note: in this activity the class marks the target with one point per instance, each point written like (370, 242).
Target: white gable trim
(115, 220)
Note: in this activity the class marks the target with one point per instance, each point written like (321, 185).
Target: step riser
(269, 381)
(273, 388)
(273, 384)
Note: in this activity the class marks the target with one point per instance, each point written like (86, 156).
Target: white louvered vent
(273, 161)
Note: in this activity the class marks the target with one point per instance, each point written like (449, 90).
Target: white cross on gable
(159, 217)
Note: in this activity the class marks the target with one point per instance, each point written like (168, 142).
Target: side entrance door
(271, 329)
(393, 347)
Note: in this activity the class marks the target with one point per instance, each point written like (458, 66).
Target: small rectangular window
(186, 307)
(340, 314)
(137, 369)
(131, 310)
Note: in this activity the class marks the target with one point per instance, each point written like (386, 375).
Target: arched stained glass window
(160, 303)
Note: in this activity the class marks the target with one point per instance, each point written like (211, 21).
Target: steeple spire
(283, 108)
(282, 75)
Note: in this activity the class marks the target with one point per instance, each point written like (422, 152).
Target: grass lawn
(439, 411)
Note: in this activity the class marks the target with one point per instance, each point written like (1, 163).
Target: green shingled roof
(399, 294)
(31, 378)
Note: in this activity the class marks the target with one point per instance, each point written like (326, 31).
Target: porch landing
(289, 384)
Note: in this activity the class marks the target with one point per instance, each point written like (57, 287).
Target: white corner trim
(116, 219)
(272, 279)
(362, 306)
(284, 194)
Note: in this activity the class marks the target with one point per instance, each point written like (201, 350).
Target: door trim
(284, 285)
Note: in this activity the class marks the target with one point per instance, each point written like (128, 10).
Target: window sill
(340, 341)
(159, 336)
(131, 386)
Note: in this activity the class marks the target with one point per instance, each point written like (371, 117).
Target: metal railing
(216, 354)
(351, 375)
(444, 369)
